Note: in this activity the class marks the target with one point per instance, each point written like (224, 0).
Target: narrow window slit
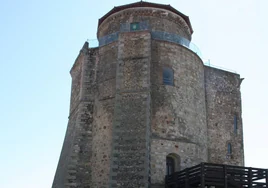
(229, 148)
(235, 124)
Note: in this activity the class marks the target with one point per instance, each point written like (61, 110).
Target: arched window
(172, 163)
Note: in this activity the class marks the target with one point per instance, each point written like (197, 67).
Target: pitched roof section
(147, 4)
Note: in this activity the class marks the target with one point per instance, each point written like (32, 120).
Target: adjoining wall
(223, 112)
(178, 112)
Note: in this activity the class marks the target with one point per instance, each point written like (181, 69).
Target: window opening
(235, 124)
(135, 26)
(170, 165)
(229, 148)
(168, 77)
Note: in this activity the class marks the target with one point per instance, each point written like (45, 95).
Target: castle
(144, 105)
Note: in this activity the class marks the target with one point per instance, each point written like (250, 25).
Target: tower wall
(104, 114)
(74, 164)
(178, 112)
(158, 20)
(131, 125)
(223, 105)
(124, 120)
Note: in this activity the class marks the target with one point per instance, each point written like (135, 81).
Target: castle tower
(143, 104)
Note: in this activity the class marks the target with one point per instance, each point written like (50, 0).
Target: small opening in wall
(235, 124)
(134, 26)
(229, 148)
(172, 163)
(168, 76)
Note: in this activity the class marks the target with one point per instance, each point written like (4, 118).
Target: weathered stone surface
(179, 111)
(74, 164)
(223, 104)
(158, 20)
(130, 158)
(124, 121)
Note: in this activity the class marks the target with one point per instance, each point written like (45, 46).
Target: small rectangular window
(135, 26)
(235, 124)
(168, 77)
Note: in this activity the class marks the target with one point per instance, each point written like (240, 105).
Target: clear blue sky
(39, 41)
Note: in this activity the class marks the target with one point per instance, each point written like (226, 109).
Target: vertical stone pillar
(131, 126)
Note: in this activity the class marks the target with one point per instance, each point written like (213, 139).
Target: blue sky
(39, 41)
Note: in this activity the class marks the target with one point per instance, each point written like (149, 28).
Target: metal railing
(158, 35)
(207, 63)
(218, 175)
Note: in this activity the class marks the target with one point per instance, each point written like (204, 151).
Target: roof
(146, 4)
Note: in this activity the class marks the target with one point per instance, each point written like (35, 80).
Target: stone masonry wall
(178, 112)
(74, 163)
(62, 172)
(103, 115)
(76, 73)
(223, 104)
(131, 125)
(158, 19)
(83, 137)
(124, 121)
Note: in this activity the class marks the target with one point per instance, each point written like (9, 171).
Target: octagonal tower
(153, 118)
(138, 104)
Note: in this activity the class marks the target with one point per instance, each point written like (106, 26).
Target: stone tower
(143, 104)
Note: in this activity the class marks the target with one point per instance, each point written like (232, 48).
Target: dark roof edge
(147, 4)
